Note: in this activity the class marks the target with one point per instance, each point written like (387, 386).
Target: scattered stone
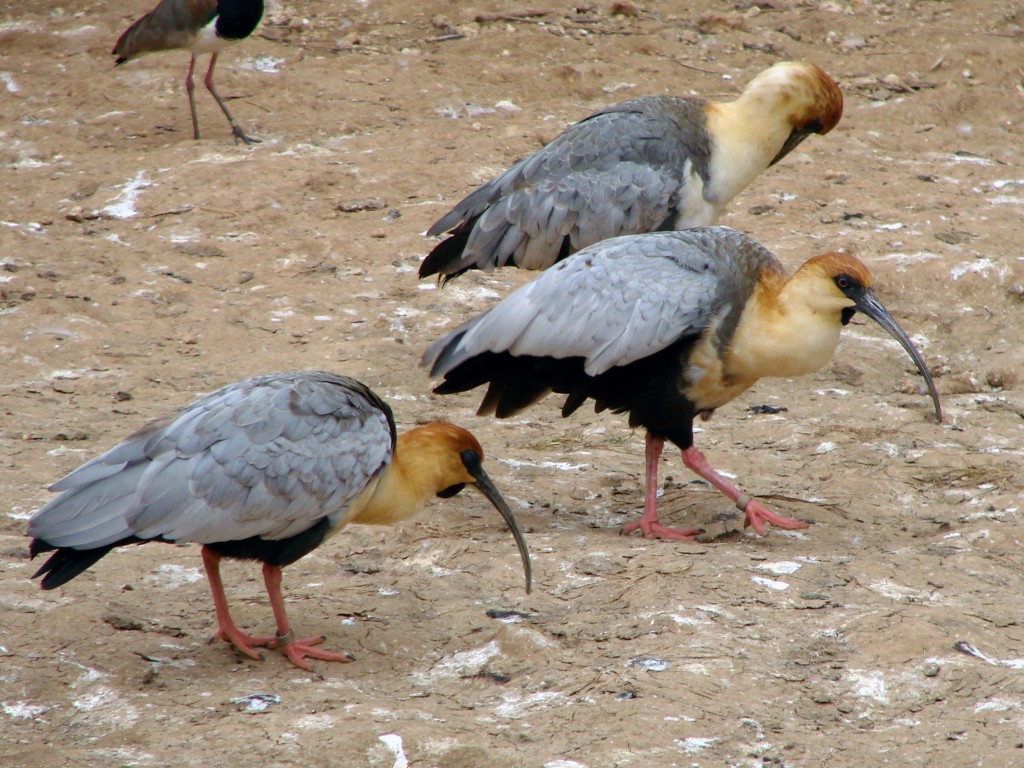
(624, 8)
(356, 206)
(201, 251)
(768, 409)
(1002, 379)
(256, 702)
(954, 236)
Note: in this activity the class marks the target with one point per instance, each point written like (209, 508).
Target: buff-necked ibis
(650, 164)
(201, 26)
(264, 469)
(665, 326)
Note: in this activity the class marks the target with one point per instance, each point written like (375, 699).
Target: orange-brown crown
(828, 98)
(438, 444)
(455, 438)
(813, 94)
(833, 264)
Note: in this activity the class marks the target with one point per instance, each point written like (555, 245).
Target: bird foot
(297, 651)
(243, 642)
(757, 515)
(240, 136)
(652, 529)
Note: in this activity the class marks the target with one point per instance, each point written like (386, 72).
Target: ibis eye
(471, 462)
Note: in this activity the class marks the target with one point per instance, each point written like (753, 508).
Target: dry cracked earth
(140, 268)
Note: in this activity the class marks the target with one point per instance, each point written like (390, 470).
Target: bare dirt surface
(140, 268)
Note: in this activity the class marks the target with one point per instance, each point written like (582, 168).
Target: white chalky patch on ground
(20, 710)
(265, 64)
(781, 568)
(515, 704)
(898, 591)
(462, 662)
(695, 744)
(561, 465)
(172, 575)
(256, 702)
(909, 258)
(996, 705)
(394, 742)
(778, 586)
(106, 708)
(978, 266)
(122, 206)
(869, 684)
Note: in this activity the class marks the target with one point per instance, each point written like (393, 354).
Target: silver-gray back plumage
(269, 456)
(622, 170)
(618, 301)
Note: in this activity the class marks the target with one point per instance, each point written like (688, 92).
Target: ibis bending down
(665, 326)
(202, 26)
(653, 163)
(265, 469)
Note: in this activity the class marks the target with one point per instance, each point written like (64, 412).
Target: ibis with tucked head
(650, 164)
(264, 469)
(665, 327)
(201, 26)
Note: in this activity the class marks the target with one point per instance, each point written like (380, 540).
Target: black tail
(446, 253)
(66, 563)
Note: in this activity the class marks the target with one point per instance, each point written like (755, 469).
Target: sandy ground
(140, 268)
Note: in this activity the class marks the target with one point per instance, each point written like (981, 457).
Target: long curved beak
(869, 304)
(487, 488)
(797, 136)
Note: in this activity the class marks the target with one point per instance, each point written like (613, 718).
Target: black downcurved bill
(796, 136)
(872, 307)
(487, 488)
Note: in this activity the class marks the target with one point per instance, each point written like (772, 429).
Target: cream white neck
(794, 335)
(747, 135)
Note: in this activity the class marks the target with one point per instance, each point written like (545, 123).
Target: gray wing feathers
(620, 171)
(266, 457)
(477, 200)
(92, 515)
(615, 302)
(111, 462)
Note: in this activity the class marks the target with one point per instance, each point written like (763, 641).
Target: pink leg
(648, 523)
(227, 631)
(757, 514)
(297, 651)
(190, 87)
(236, 129)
